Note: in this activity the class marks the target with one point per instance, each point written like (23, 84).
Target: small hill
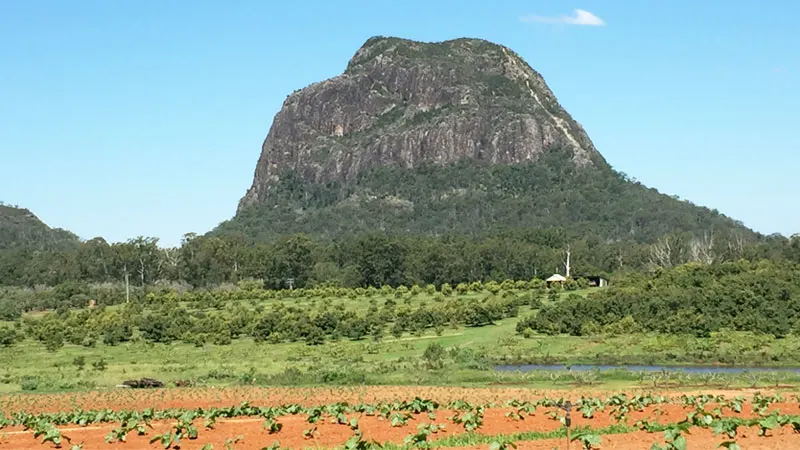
(20, 228)
(461, 136)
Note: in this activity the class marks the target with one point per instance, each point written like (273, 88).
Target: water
(643, 368)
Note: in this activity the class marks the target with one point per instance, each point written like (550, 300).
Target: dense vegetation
(19, 228)
(761, 297)
(308, 315)
(441, 225)
(475, 199)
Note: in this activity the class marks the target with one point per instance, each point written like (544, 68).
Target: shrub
(8, 336)
(447, 290)
(434, 355)
(28, 383)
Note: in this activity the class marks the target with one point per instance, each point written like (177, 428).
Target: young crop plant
(353, 423)
(417, 440)
(673, 437)
(120, 434)
(514, 415)
(50, 434)
(734, 404)
(314, 414)
(588, 406)
(471, 419)
(274, 446)
(271, 425)
(230, 442)
(400, 419)
(588, 439)
(502, 444)
(357, 442)
(172, 438)
(767, 423)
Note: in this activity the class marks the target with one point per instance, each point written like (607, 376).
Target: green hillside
(20, 228)
(473, 198)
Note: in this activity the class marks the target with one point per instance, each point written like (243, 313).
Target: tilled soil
(329, 435)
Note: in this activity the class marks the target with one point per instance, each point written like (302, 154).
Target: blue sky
(125, 118)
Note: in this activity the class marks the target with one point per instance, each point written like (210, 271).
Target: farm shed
(597, 281)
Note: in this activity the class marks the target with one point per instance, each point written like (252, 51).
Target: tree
(380, 260)
(315, 336)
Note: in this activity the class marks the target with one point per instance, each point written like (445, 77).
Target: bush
(28, 383)
(447, 290)
(8, 337)
(315, 336)
(434, 356)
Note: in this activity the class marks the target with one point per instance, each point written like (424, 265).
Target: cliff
(405, 103)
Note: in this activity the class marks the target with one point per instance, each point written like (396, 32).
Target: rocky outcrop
(407, 103)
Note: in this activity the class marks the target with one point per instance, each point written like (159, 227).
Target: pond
(643, 368)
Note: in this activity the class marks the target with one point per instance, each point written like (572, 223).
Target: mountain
(460, 136)
(20, 228)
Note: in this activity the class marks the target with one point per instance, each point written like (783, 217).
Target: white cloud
(579, 17)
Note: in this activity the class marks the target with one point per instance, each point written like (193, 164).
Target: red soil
(331, 435)
(209, 397)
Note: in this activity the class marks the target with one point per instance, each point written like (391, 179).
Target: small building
(555, 278)
(597, 281)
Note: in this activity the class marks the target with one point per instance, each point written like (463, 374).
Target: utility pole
(127, 286)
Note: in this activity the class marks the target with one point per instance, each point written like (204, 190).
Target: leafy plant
(272, 426)
(587, 438)
(502, 444)
(673, 435)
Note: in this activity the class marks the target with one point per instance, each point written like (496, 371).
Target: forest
(371, 259)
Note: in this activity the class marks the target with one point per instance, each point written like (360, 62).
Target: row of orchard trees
(203, 320)
(71, 295)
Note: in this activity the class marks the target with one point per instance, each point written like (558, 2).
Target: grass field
(466, 357)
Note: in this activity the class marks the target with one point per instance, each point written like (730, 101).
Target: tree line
(372, 259)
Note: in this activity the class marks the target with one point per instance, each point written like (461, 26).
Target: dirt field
(329, 435)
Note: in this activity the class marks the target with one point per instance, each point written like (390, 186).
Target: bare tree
(567, 267)
(702, 249)
(736, 245)
(661, 253)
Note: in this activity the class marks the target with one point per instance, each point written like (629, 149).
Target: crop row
(467, 415)
(587, 406)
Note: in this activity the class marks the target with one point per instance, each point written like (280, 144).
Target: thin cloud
(579, 17)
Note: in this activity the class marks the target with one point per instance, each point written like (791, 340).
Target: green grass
(471, 352)
(474, 439)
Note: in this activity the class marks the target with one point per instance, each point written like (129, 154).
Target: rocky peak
(406, 103)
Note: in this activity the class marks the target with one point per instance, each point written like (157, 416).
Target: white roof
(556, 277)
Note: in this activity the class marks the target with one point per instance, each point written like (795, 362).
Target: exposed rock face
(404, 103)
